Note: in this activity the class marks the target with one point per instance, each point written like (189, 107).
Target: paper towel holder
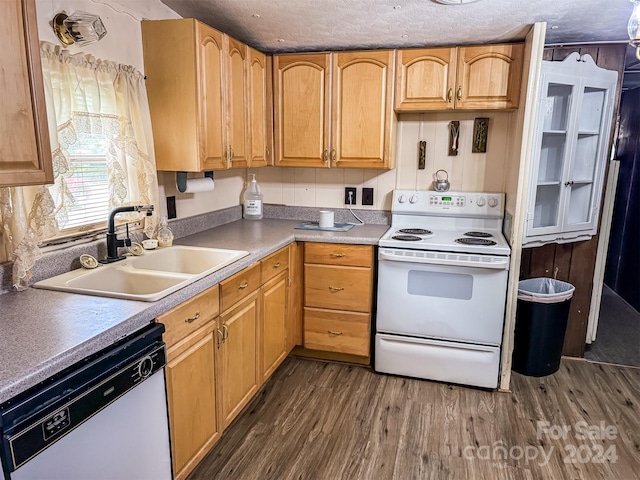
(181, 180)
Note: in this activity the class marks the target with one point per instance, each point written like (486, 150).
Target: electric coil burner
(442, 291)
(406, 238)
(475, 241)
(415, 231)
(478, 234)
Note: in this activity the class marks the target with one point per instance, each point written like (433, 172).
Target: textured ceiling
(308, 25)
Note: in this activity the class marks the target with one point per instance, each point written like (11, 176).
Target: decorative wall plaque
(480, 133)
(454, 137)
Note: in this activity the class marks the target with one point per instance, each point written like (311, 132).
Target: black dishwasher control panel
(32, 424)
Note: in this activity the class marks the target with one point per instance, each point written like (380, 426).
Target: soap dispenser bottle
(165, 235)
(252, 201)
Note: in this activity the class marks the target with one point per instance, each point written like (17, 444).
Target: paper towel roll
(195, 185)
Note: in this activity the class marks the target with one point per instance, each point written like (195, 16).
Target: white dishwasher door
(127, 440)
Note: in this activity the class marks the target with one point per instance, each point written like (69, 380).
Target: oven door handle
(497, 263)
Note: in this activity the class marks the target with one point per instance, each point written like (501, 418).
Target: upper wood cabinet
(301, 86)
(348, 125)
(199, 88)
(482, 77)
(260, 109)
(25, 157)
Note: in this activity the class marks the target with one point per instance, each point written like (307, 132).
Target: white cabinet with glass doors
(571, 139)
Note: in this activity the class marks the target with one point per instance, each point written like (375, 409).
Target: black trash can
(541, 322)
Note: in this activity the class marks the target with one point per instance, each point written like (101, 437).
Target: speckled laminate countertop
(42, 331)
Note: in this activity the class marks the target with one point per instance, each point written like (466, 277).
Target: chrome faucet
(113, 242)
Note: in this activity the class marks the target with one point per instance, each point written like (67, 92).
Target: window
(88, 183)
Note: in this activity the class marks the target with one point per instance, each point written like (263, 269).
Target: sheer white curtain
(84, 95)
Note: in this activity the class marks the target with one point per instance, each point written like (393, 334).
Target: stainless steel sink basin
(149, 277)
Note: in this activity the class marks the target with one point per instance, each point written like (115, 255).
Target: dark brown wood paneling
(575, 262)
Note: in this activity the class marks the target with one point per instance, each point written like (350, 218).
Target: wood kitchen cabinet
(260, 109)
(334, 109)
(191, 337)
(199, 96)
(485, 77)
(238, 353)
(26, 150)
(338, 296)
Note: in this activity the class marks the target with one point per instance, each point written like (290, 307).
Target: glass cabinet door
(584, 172)
(557, 102)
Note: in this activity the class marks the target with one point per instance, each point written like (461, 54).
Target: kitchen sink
(189, 260)
(149, 277)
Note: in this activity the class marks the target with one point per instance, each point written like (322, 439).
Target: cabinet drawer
(239, 286)
(274, 264)
(336, 331)
(187, 317)
(339, 254)
(340, 288)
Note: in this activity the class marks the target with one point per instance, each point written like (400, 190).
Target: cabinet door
(191, 395)
(552, 147)
(237, 104)
(259, 109)
(585, 172)
(238, 364)
(275, 296)
(362, 109)
(301, 115)
(425, 79)
(489, 76)
(211, 75)
(26, 151)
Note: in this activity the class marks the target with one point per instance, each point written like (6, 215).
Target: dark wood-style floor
(317, 420)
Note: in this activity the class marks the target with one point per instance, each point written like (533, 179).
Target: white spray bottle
(252, 201)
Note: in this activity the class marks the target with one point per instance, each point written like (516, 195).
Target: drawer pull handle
(226, 333)
(337, 255)
(459, 95)
(243, 286)
(334, 332)
(336, 289)
(276, 265)
(220, 337)
(192, 319)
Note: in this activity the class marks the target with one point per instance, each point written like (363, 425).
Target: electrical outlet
(171, 207)
(347, 200)
(367, 196)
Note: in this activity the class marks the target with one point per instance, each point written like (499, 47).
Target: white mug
(326, 219)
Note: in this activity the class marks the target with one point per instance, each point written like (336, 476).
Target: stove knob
(493, 202)
(402, 198)
(413, 199)
(481, 201)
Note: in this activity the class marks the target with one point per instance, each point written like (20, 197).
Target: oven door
(439, 295)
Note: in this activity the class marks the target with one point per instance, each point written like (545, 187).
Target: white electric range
(442, 280)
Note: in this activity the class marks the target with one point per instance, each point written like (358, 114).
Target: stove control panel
(428, 202)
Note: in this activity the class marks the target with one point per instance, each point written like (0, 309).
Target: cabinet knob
(226, 332)
(459, 95)
(220, 337)
(568, 184)
(325, 155)
(450, 95)
(333, 156)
